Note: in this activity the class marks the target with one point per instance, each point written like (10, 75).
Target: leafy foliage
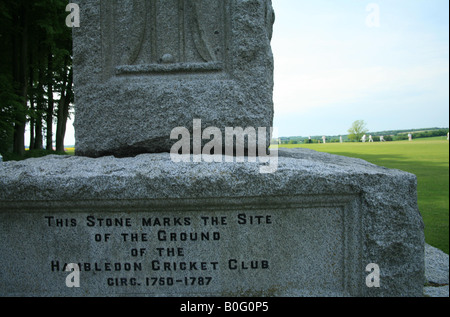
(357, 130)
(35, 64)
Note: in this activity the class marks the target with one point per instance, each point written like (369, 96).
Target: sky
(337, 61)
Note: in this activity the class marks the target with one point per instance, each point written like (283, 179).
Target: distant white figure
(309, 140)
(382, 139)
(410, 137)
(364, 138)
(324, 138)
(340, 139)
(448, 136)
(370, 139)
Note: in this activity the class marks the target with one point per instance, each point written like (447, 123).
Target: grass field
(427, 158)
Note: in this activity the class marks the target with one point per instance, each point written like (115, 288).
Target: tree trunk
(63, 109)
(20, 68)
(50, 108)
(32, 107)
(38, 141)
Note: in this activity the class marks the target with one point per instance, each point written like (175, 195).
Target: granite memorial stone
(147, 226)
(143, 68)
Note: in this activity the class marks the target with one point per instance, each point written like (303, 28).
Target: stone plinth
(146, 226)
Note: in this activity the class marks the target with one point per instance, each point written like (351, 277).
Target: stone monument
(138, 223)
(143, 68)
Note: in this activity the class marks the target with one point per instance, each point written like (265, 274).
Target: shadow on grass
(396, 161)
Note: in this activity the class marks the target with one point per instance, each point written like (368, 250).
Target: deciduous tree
(357, 130)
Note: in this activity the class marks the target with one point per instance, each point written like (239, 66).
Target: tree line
(358, 129)
(422, 134)
(36, 80)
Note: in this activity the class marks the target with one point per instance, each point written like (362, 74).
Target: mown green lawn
(427, 158)
(70, 151)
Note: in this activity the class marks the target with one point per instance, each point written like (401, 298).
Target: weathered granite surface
(143, 68)
(441, 291)
(436, 272)
(436, 265)
(310, 229)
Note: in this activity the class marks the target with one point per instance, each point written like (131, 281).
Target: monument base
(320, 226)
